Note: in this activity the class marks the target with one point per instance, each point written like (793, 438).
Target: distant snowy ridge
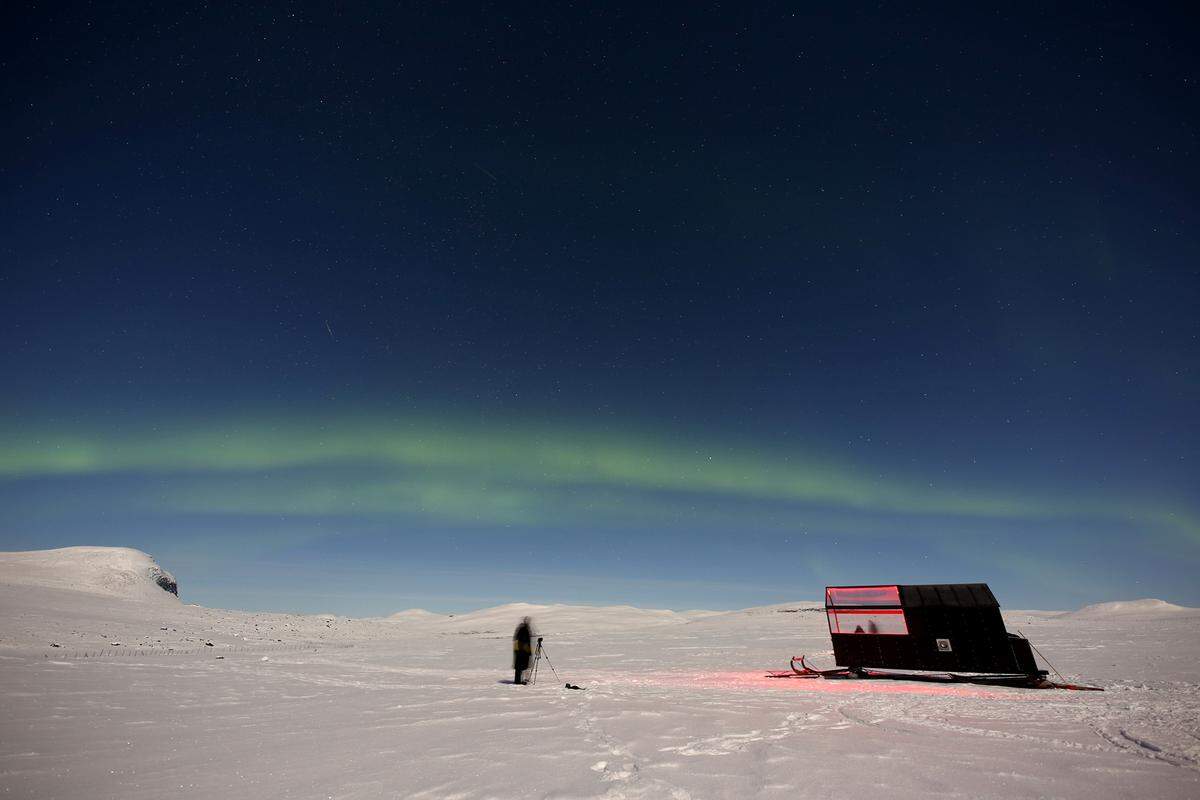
(1146, 607)
(120, 572)
(559, 618)
(550, 619)
(417, 614)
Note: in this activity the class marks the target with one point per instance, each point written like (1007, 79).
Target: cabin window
(862, 596)
(886, 622)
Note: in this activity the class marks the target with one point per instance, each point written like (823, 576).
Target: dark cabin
(954, 627)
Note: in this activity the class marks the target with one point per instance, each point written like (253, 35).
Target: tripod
(538, 655)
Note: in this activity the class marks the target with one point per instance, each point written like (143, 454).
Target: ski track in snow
(677, 706)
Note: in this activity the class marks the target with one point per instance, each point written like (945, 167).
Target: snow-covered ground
(135, 702)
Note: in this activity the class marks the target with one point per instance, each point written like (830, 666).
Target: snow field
(676, 706)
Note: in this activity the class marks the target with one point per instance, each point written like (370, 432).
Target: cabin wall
(949, 628)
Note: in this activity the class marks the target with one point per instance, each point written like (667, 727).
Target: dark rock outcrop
(165, 579)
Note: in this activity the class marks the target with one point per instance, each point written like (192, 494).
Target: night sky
(352, 309)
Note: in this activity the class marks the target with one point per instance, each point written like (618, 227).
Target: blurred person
(522, 649)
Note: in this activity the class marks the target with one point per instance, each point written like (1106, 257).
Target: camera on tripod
(538, 654)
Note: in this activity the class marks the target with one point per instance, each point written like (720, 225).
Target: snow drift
(120, 572)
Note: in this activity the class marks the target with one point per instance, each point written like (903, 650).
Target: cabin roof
(953, 595)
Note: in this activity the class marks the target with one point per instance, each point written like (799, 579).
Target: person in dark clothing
(522, 649)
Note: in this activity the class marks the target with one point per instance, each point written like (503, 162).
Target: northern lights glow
(516, 475)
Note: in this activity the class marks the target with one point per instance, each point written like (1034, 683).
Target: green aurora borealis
(518, 474)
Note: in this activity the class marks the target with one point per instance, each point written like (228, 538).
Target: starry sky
(355, 308)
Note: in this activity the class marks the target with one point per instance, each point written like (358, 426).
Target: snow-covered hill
(111, 571)
(418, 615)
(1131, 608)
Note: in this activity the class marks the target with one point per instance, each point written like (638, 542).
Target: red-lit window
(862, 596)
(884, 622)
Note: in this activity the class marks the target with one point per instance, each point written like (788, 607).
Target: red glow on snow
(759, 680)
(862, 596)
